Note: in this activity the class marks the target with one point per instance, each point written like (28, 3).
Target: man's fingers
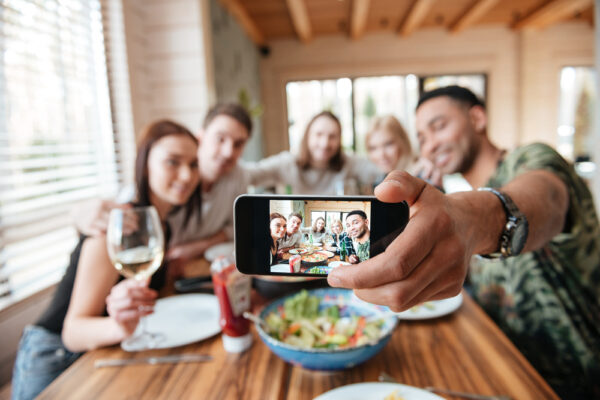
(398, 261)
(400, 186)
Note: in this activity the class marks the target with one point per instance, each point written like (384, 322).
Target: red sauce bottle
(232, 289)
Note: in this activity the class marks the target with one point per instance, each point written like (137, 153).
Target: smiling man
(357, 226)
(222, 139)
(293, 236)
(532, 210)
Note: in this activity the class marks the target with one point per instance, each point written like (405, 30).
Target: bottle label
(238, 292)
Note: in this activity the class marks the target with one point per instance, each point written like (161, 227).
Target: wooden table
(463, 351)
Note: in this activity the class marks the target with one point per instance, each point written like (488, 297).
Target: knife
(172, 359)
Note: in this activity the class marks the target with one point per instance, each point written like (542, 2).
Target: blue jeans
(40, 359)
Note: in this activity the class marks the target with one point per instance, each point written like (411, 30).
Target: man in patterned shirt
(357, 226)
(546, 297)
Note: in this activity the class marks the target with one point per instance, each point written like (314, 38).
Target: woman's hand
(91, 217)
(128, 301)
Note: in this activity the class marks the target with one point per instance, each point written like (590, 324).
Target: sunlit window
(56, 141)
(355, 102)
(577, 104)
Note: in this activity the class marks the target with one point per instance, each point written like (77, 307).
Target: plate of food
(378, 391)
(182, 319)
(432, 309)
(325, 329)
(329, 254)
(298, 251)
(314, 258)
(318, 270)
(335, 264)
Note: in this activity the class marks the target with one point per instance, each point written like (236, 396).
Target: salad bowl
(331, 358)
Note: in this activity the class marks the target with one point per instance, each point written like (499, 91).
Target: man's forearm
(540, 195)
(198, 247)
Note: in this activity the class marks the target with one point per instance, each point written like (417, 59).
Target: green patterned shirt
(548, 301)
(362, 250)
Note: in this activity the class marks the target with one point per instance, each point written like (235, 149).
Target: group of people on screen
(352, 242)
(546, 299)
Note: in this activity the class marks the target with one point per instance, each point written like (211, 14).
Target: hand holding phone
(317, 233)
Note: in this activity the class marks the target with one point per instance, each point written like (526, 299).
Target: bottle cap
(237, 344)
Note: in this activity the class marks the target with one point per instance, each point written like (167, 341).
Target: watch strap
(514, 218)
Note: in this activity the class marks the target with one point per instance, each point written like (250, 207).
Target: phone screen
(314, 236)
(310, 236)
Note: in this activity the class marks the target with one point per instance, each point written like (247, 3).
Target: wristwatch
(514, 234)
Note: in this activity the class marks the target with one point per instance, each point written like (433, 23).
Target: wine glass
(136, 246)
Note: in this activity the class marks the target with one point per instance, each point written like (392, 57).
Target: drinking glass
(136, 246)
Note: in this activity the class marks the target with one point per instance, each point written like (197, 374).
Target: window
(329, 217)
(56, 140)
(357, 101)
(577, 103)
(305, 99)
(477, 83)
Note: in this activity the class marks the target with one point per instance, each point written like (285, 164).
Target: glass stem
(142, 323)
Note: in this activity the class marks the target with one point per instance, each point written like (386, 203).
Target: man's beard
(469, 158)
(361, 234)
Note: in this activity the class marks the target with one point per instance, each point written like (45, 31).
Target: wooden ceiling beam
(415, 16)
(552, 12)
(300, 19)
(472, 15)
(241, 15)
(358, 19)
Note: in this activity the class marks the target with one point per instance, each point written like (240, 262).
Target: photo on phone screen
(314, 236)
(309, 236)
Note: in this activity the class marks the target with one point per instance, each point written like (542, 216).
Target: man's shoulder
(234, 181)
(535, 156)
(534, 151)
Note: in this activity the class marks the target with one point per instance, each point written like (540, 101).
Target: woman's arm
(85, 327)
(269, 171)
(196, 248)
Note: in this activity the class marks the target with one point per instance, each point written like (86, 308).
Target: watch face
(519, 237)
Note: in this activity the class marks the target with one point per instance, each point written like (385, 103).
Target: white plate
(436, 309)
(221, 249)
(377, 391)
(183, 319)
(280, 268)
(298, 251)
(337, 263)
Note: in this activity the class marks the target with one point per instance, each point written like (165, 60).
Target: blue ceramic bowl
(330, 359)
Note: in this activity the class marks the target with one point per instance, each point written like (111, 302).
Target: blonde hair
(390, 124)
(336, 222)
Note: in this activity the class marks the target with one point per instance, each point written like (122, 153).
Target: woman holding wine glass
(93, 306)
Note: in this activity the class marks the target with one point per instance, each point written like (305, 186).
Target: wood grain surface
(463, 351)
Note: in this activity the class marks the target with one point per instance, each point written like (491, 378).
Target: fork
(384, 377)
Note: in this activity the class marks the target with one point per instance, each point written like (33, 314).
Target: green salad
(300, 323)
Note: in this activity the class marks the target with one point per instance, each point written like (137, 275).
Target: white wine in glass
(136, 246)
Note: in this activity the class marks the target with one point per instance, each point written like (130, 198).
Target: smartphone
(311, 235)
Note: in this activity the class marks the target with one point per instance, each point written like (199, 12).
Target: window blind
(57, 143)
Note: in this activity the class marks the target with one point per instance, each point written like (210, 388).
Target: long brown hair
(150, 135)
(303, 160)
(273, 216)
(314, 226)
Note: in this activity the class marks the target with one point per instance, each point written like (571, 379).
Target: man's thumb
(400, 186)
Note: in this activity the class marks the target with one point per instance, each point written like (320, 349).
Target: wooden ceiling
(267, 20)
